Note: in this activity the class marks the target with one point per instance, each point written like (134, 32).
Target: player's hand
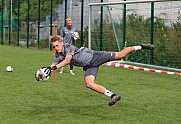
(43, 74)
(75, 35)
(53, 67)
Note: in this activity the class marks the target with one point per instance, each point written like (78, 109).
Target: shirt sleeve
(70, 49)
(63, 32)
(56, 61)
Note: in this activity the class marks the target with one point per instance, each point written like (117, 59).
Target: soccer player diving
(90, 61)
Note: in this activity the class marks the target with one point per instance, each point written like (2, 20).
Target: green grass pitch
(147, 98)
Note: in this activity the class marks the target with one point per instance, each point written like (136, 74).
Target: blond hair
(55, 38)
(68, 19)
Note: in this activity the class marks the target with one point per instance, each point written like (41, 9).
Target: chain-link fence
(30, 23)
(117, 25)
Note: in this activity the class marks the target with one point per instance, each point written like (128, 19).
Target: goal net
(115, 25)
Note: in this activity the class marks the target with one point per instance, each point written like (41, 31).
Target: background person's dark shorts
(98, 59)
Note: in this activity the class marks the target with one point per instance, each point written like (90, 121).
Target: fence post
(65, 16)
(38, 24)
(10, 26)
(152, 32)
(51, 5)
(124, 26)
(101, 26)
(2, 26)
(82, 24)
(27, 23)
(18, 22)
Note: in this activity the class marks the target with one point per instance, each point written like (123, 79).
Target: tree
(44, 9)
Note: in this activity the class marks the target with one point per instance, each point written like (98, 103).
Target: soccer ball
(9, 68)
(43, 74)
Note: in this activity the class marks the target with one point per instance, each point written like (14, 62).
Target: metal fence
(30, 23)
(115, 25)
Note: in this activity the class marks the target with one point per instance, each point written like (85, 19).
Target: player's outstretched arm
(63, 63)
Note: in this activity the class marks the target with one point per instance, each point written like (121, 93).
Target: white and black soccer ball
(9, 69)
(43, 74)
(76, 35)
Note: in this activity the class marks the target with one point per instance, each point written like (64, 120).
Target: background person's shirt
(67, 35)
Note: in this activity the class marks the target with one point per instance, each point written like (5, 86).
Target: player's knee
(120, 55)
(123, 56)
(124, 52)
(89, 83)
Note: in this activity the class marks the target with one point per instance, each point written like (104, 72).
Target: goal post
(128, 23)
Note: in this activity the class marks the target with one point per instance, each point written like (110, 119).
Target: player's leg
(124, 52)
(90, 75)
(127, 50)
(71, 70)
(61, 70)
(90, 83)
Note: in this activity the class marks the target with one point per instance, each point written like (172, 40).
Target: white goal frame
(114, 3)
(125, 2)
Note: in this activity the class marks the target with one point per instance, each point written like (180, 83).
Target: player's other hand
(53, 67)
(75, 35)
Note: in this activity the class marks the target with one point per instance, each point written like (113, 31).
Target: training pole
(54, 52)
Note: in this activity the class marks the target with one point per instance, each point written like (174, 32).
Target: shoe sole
(114, 101)
(148, 46)
(151, 47)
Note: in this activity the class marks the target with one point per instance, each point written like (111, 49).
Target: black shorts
(98, 59)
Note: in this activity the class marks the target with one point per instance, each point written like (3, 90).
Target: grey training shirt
(80, 57)
(67, 35)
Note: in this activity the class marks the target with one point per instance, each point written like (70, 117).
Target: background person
(70, 35)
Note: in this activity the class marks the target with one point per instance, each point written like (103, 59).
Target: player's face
(58, 46)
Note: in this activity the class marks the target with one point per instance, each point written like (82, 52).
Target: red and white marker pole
(54, 33)
(140, 68)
